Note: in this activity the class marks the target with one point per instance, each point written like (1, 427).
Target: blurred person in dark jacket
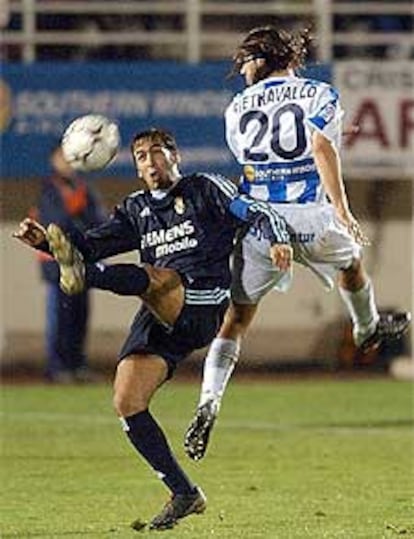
(66, 199)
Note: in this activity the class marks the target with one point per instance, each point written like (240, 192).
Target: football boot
(390, 327)
(178, 507)
(70, 260)
(198, 433)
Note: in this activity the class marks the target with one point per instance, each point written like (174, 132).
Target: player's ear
(260, 62)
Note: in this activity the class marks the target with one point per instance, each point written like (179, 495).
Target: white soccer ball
(90, 142)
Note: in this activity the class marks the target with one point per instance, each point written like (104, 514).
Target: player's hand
(354, 228)
(30, 232)
(281, 255)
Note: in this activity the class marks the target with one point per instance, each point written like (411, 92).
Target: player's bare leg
(370, 328)
(219, 364)
(165, 294)
(136, 380)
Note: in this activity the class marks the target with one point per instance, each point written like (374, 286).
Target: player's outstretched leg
(198, 432)
(390, 327)
(179, 506)
(70, 260)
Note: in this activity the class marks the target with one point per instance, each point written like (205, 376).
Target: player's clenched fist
(30, 232)
(281, 255)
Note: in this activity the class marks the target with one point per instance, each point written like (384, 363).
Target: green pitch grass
(298, 459)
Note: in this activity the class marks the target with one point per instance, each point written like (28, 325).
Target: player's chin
(150, 182)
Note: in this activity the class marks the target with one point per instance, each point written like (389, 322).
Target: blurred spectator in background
(66, 199)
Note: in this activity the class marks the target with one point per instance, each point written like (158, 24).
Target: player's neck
(283, 73)
(160, 193)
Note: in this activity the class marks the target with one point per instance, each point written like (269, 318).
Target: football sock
(362, 309)
(149, 440)
(219, 364)
(122, 279)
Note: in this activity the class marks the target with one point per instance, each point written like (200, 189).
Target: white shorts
(320, 242)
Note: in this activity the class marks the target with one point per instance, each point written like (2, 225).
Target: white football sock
(219, 364)
(363, 311)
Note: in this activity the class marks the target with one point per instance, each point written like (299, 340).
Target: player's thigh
(253, 273)
(333, 244)
(166, 293)
(137, 378)
(318, 236)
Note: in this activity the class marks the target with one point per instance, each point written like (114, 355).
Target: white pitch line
(221, 425)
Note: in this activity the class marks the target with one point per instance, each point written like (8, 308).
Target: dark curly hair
(279, 48)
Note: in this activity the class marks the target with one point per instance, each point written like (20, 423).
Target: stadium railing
(196, 30)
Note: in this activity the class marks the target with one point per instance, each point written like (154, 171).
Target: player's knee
(240, 315)
(120, 404)
(239, 319)
(126, 405)
(353, 277)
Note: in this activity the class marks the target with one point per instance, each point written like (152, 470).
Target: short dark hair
(279, 48)
(157, 135)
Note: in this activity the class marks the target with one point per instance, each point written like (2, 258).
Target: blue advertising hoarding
(38, 101)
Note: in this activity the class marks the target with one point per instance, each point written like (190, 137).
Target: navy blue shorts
(196, 327)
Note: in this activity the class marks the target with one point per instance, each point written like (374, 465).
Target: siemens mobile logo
(170, 240)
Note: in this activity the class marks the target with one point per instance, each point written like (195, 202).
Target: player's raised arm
(246, 209)
(259, 214)
(115, 236)
(326, 125)
(271, 224)
(329, 168)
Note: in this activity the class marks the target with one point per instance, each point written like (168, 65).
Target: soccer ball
(90, 142)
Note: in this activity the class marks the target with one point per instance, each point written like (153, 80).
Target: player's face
(156, 164)
(249, 70)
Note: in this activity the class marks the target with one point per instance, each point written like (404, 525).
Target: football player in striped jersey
(184, 229)
(285, 132)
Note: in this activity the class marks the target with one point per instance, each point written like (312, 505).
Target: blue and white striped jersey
(269, 127)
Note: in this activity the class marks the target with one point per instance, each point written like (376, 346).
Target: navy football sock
(149, 440)
(122, 279)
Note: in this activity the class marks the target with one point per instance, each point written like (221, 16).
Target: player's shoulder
(136, 195)
(136, 198)
(217, 179)
(322, 87)
(208, 183)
